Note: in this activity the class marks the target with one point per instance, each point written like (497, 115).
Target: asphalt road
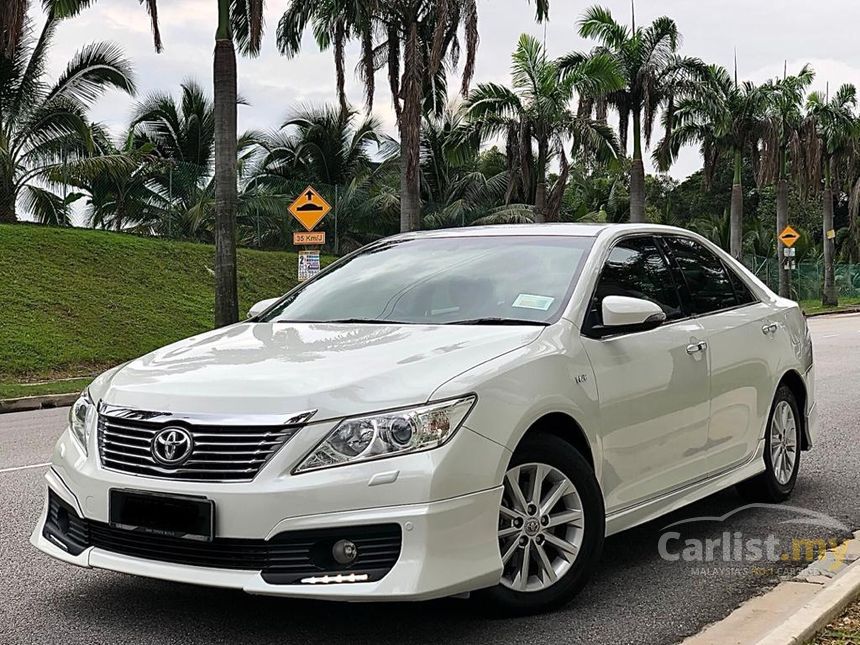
(637, 597)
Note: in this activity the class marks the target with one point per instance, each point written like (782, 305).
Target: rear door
(652, 385)
(742, 351)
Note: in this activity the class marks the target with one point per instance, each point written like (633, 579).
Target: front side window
(444, 280)
(707, 279)
(636, 268)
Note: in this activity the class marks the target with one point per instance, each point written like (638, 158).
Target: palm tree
(321, 145)
(44, 126)
(13, 20)
(652, 71)
(724, 117)
(784, 117)
(829, 134)
(538, 107)
(334, 22)
(243, 21)
(182, 135)
(416, 37)
(119, 194)
(456, 187)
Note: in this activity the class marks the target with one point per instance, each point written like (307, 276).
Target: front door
(653, 386)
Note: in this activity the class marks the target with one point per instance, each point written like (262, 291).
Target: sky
(766, 34)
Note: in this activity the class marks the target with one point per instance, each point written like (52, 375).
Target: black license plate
(180, 516)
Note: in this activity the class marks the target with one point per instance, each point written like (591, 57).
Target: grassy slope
(65, 386)
(815, 306)
(75, 301)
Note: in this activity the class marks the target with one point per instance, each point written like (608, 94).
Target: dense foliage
(551, 146)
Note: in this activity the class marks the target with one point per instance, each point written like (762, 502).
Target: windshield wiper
(498, 321)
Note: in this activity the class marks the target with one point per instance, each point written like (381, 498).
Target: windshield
(444, 280)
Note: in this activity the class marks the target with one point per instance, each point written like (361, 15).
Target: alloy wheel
(541, 527)
(783, 442)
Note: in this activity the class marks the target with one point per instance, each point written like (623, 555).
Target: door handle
(769, 328)
(694, 348)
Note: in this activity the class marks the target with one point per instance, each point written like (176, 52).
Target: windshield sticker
(530, 301)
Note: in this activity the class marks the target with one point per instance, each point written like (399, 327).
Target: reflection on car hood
(284, 368)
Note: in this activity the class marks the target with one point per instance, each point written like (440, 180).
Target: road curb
(25, 403)
(819, 612)
(796, 610)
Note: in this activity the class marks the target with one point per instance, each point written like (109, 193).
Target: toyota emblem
(172, 446)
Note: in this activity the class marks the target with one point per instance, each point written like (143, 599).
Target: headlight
(388, 434)
(81, 418)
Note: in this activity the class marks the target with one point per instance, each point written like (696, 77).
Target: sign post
(309, 209)
(787, 238)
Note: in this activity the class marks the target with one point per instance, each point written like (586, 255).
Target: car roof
(577, 229)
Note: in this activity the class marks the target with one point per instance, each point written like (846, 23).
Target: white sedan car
(441, 413)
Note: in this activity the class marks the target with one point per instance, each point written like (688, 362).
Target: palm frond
(45, 206)
(597, 23)
(93, 70)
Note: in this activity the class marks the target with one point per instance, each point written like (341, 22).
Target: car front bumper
(448, 544)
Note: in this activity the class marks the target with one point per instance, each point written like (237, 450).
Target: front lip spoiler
(429, 529)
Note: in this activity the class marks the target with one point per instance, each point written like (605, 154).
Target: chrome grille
(221, 452)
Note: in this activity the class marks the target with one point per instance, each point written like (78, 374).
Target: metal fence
(808, 278)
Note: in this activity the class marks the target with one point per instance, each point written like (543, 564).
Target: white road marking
(12, 470)
(830, 336)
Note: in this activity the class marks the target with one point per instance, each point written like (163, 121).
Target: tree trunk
(781, 223)
(637, 173)
(226, 296)
(410, 199)
(7, 204)
(736, 217)
(540, 202)
(556, 195)
(410, 135)
(828, 295)
(540, 186)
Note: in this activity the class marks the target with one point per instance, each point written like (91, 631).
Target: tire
(543, 532)
(777, 482)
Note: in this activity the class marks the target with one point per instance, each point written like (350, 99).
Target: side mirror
(261, 306)
(625, 315)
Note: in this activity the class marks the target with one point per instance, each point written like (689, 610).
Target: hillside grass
(65, 386)
(815, 306)
(75, 301)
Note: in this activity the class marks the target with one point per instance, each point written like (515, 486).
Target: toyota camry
(441, 413)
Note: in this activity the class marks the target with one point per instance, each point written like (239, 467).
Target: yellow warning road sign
(789, 236)
(309, 208)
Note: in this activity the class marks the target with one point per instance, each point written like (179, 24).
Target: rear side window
(742, 292)
(637, 268)
(707, 279)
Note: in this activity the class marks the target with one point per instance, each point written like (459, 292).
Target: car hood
(286, 368)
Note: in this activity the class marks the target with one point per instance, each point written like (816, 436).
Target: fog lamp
(344, 552)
